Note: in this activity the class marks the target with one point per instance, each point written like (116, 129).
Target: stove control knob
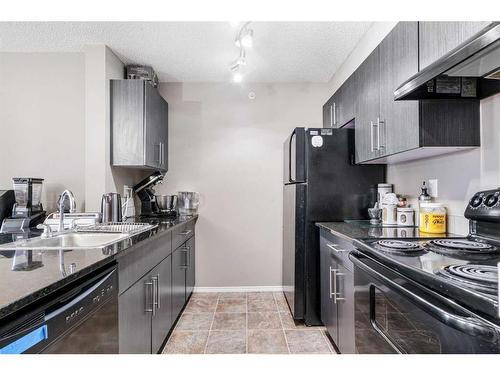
(491, 200)
(476, 201)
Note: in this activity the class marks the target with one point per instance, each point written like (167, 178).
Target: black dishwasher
(82, 320)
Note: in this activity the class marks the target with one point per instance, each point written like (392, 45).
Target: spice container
(382, 190)
(405, 216)
(432, 218)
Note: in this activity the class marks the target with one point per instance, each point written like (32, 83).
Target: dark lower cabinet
(337, 291)
(190, 270)
(162, 318)
(135, 319)
(178, 281)
(149, 306)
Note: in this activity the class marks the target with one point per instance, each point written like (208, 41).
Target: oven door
(395, 315)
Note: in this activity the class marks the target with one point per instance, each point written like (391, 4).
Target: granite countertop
(362, 229)
(58, 268)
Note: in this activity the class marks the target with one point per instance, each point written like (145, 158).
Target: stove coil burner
(398, 246)
(463, 246)
(480, 277)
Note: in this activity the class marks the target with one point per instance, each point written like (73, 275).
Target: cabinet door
(345, 104)
(328, 114)
(344, 284)
(190, 271)
(162, 319)
(178, 281)
(134, 311)
(399, 120)
(163, 134)
(367, 78)
(153, 115)
(438, 38)
(328, 307)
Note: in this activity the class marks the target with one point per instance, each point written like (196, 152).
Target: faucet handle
(47, 230)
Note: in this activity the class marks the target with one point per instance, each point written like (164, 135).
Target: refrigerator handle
(290, 179)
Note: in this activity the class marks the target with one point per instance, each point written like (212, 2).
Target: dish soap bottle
(424, 197)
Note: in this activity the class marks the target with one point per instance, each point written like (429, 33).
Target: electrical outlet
(433, 188)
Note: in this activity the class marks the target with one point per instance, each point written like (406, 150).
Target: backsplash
(459, 175)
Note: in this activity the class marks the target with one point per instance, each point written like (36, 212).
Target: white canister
(382, 190)
(389, 214)
(406, 216)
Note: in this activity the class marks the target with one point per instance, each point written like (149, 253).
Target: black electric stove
(453, 279)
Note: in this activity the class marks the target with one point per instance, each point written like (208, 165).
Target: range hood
(470, 71)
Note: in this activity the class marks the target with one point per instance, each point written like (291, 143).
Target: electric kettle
(111, 208)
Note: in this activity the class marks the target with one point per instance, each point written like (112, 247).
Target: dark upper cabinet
(367, 136)
(139, 125)
(438, 38)
(340, 108)
(398, 121)
(388, 131)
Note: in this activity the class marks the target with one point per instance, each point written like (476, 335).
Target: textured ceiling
(200, 51)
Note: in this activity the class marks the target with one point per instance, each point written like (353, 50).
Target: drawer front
(182, 234)
(339, 248)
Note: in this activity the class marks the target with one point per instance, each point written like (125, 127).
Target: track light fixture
(243, 40)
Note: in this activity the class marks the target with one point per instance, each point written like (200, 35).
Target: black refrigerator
(320, 183)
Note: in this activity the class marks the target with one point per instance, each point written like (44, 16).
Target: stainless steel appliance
(431, 296)
(320, 183)
(167, 204)
(27, 211)
(83, 319)
(471, 70)
(145, 192)
(111, 208)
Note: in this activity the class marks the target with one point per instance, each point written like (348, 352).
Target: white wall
(229, 148)
(42, 127)
(459, 175)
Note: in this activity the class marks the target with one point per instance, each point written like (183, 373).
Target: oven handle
(470, 326)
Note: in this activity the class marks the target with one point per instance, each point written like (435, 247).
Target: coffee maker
(27, 211)
(145, 192)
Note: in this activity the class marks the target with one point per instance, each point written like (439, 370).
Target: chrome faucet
(72, 207)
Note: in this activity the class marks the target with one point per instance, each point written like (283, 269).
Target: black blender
(145, 192)
(27, 211)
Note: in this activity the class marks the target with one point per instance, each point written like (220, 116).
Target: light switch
(433, 188)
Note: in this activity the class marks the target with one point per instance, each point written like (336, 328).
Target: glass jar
(432, 218)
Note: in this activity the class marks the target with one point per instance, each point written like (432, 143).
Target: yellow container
(432, 218)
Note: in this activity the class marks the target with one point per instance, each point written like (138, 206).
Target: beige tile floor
(239, 323)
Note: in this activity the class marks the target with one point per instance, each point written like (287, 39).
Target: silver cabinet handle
(161, 154)
(155, 294)
(334, 115)
(336, 296)
(185, 233)
(331, 293)
(331, 116)
(379, 125)
(156, 285)
(188, 255)
(152, 308)
(371, 137)
(334, 247)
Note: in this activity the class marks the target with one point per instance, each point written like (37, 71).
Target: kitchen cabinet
(337, 290)
(178, 280)
(438, 38)
(146, 311)
(367, 78)
(162, 319)
(139, 125)
(190, 270)
(389, 131)
(134, 320)
(340, 108)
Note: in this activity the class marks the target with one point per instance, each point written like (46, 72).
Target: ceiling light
(237, 77)
(246, 40)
